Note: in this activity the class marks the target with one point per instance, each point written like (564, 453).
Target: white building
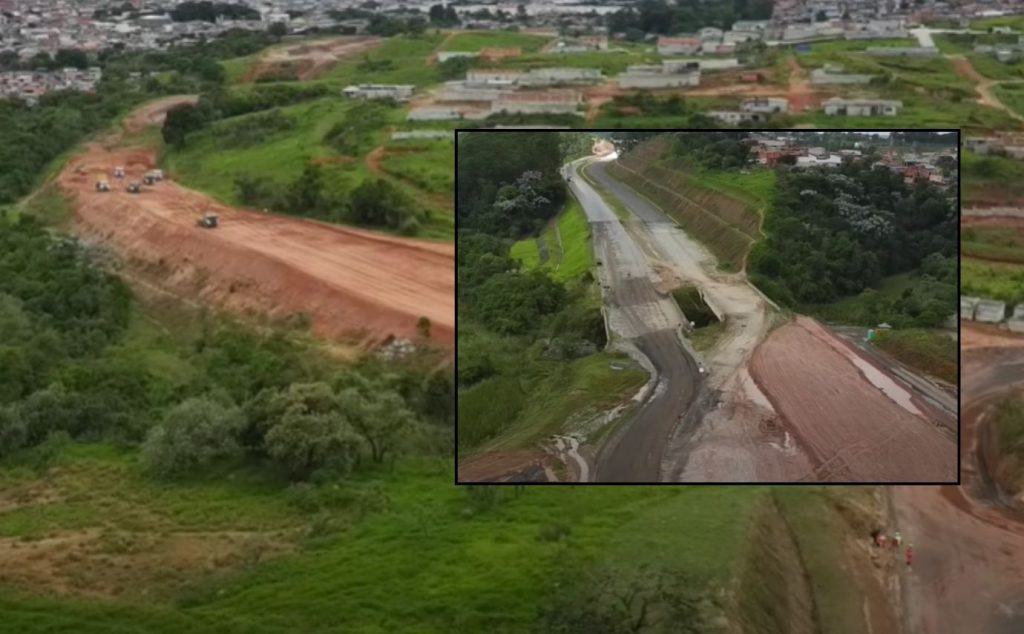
(678, 45)
(555, 76)
(833, 74)
(990, 311)
(398, 92)
(766, 105)
(538, 102)
(735, 117)
(813, 161)
(443, 113)
(968, 306)
(444, 56)
(837, 106)
(653, 77)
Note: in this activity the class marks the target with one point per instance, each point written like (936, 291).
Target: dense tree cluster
(209, 11)
(443, 15)
(686, 16)
(835, 233)
(713, 150)
(482, 178)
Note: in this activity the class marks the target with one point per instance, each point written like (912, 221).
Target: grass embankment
(50, 204)
(822, 522)
(531, 397)
(994, 280)
(726, 224)
(1009, 424)
(991, 180)
(1016, 22)
(925, 350)
(567, 241)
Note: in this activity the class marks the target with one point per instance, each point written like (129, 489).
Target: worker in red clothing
(910, 554)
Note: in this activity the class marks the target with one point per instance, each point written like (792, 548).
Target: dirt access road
(982, 84)
(645, 324)
(968, 570)
(355, 286)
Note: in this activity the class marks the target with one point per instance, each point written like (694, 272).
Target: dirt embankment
(308, 60)
(852, 419)
(727, 226)
(353, 285)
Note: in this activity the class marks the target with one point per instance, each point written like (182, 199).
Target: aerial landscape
(257, 331)
(707, 247)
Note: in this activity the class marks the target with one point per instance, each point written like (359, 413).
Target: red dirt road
(968, 573)
(309, 60)
(850, 429)
(355, 286)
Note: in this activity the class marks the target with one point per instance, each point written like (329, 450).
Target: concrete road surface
(642, 317)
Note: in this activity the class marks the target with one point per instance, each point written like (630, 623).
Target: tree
(192, 435)
(71, 57)
(180, 121)
(306, 442)
(13, 434)
(379, 415)
(423, 327)
(278, 29)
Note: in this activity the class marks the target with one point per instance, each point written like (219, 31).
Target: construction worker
(897, 539)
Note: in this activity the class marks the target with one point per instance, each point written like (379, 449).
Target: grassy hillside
(931, 352)
(471, 42)
(995, 280)
(991, 180)
(420, 169)
(567, 243)
(1009, 431)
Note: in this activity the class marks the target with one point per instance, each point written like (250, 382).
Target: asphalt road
(637, 313)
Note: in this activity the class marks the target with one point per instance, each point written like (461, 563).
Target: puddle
(889, 387)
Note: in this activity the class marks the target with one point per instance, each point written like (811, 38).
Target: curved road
(643, 318)
(968, 572)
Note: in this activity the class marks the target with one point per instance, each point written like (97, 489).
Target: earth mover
(103, 185)
(208, 221)
(118, 172)
(134, 188)
(149, 179)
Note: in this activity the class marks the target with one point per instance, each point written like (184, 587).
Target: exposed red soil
(848, 428)
(801, 96)
(969, 552)
(355, 286)
(309, 60)
(503, 466)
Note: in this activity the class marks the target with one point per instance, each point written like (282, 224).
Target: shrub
(192, 435)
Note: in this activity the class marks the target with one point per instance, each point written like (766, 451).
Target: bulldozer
(208, 221)
(134, 188)
(158, 175)
(102, 185)
(149, 179)
(118, 172)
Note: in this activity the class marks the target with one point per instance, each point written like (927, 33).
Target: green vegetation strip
(1009, 422)
(928, 351)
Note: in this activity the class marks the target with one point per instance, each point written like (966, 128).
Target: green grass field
(994, 280)
(1009, 422)
(922, 110)
(399, 60)
(757, 187)
(428, 165)
(1014, 21)
(993, 243)
(474, 41)
(1012, 95)
(991, 179)
(568, 243)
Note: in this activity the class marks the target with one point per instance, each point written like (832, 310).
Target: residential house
(862, 107)
(444, 56)
(659, 76)
(556, 76)
(766, 105)
(735, 117)
(678, 45)
(398, 92)
(833, 74)
(557, 101)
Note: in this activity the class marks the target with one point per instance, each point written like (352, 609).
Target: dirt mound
(308, 60)
(353, 285)
(853, 420)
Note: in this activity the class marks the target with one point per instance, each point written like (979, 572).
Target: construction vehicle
(208, 221)
(134, 188)
(149, 179)
(157, 174)
(118, 172)
(102, 185)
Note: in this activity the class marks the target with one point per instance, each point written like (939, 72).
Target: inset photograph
(704, 306)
